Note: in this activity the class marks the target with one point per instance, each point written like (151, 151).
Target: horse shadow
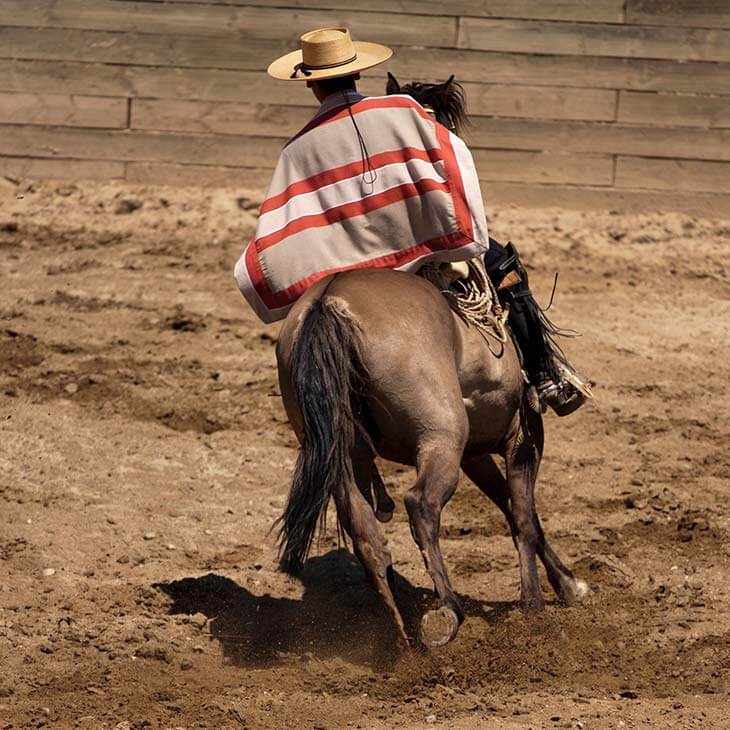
(338, 616)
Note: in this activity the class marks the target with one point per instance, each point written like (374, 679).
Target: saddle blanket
(369, 182)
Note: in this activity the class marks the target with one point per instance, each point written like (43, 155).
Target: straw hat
(328, 53)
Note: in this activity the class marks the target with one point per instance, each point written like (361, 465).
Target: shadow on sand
(338, 615)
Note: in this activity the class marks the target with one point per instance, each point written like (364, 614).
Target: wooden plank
(95, 79)
(600, 138)
(72, 78)
(92, 144)
(37, 168)
(693, 13)
(224, 85)
(520, 101)
(167, 83)
(543, 167)
(154, 173)
(674, 109)
(571, 71)
(243, 22)
(493, 165)
(638, 172)
(62, 109)
(540, 102)
(596, 11)
(587, 198)
(267, 120)
(531, 102)
(592, 39)
(141, 49)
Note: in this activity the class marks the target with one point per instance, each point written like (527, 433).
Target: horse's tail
(327, 373)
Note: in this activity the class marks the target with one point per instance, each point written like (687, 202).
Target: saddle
(491, 300)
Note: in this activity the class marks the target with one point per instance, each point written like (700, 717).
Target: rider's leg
(540, 357)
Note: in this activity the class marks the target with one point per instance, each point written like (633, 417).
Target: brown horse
(376, 363)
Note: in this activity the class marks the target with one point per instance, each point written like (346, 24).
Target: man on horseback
(377, 182)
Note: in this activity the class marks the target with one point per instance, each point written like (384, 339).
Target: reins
(367, 166)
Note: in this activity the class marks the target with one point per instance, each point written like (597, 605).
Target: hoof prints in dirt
(138, 390)
(182, 321)
(19, 351)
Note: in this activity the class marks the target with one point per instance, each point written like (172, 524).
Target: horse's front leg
(522, 459)
(487, 476)
(438, 475)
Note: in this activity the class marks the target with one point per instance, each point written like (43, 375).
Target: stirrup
(566, 395)
(563, 397)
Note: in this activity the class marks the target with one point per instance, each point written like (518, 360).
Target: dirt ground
(144, 454)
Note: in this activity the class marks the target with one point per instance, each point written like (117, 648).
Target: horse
(375, 363)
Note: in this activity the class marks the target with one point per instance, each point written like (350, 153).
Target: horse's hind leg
(357, 518)
(438, 475)
(487, 476)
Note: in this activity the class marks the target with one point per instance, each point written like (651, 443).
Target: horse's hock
(618, 104)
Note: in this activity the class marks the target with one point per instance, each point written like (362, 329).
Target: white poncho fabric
(369, 182)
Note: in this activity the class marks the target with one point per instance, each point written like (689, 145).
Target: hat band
(307, 68)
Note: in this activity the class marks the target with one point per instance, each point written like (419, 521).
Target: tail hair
(327, 375)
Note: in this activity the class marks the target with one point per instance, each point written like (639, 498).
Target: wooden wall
(622, 103)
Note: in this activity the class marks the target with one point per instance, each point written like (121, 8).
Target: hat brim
(368, 55)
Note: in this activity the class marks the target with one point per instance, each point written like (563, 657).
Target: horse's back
(387, 306)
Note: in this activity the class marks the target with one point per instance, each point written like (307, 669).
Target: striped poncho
(410, 196)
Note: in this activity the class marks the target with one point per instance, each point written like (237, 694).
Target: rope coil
(473, 299)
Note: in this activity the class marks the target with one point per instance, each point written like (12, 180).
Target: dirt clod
(125, 206)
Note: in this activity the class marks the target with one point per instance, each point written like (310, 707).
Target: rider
(323, 195)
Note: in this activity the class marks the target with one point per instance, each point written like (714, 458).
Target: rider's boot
(558, 386)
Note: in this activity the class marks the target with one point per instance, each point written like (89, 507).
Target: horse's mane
(447, 99)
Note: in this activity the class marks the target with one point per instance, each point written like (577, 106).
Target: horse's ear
(448, 82)
(392, 87)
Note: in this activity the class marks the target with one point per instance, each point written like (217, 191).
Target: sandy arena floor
(144, 454)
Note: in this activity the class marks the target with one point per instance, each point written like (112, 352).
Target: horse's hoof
(439, 626)
(576, 592)
(384, 515)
